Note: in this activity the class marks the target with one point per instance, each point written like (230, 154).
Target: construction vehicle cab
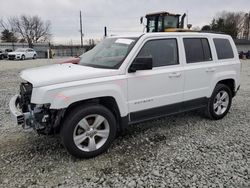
(164, 22)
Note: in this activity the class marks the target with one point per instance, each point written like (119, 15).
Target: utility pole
(248, 27)
(105, 32)
(81, 28)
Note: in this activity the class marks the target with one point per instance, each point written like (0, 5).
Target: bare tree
(231, 23)
(30, 28)
(3, 25)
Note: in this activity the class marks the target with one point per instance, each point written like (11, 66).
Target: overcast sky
(120, 16)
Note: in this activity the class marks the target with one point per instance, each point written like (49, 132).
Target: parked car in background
(1, 54)
(4, 53)
(74, 60)
(244, 55)
(22, 53)
(241, 53)
(248, 54)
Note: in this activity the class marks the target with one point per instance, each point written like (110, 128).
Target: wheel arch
(107, 101)
(230, 83)
(228, 78)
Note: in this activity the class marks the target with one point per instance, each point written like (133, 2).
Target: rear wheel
(220, 102)
(88, 130)
(2, 56)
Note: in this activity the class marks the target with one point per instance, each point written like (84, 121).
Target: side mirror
(141, 20)
(141, 63)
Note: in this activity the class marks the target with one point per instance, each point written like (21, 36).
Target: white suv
(125, 80)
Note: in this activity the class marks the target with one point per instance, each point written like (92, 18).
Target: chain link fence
(43, 49)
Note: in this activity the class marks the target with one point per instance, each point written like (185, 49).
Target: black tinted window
(206, 50)
(197, 50)
(164, 52)
(223, 48)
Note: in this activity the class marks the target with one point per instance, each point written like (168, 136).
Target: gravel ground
(185, 150)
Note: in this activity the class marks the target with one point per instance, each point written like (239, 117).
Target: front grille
(25, 95)
(11, 56)
(20, 120)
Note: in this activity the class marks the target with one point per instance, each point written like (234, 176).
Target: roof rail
(210, 31)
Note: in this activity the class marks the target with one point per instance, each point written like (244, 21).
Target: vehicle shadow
(135, 136)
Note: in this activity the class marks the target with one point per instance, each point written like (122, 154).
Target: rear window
(197, 50)
(223, 48)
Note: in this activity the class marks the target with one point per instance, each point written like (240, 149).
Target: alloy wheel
(91, 133)
(221, 102)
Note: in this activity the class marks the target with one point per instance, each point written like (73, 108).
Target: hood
(14, 53)
(61, 73)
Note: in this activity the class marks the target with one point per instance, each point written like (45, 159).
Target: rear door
(152, 93)
(199, 69)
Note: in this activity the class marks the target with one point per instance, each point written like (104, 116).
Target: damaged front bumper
(17, 115)
(37, 117)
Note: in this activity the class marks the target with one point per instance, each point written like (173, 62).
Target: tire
(78, 130)
(219, 103)
(34, 57)
(23, 57)
(2, 57)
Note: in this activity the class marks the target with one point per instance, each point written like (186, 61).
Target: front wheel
(34, 56)
(88, 130)
(23, 57)
(220, 102)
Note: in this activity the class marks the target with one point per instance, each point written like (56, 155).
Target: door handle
(174, 74)
(210, 70)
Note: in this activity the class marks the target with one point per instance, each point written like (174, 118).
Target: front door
(152, 93)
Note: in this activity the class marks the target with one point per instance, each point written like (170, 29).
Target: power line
(112, 17)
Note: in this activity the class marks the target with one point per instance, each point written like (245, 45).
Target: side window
(151, 24)
(160, 24)
(163, 51)
(206, 50)
(223, 48)
(197, 50)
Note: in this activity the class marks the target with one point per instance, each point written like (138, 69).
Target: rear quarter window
(223, 48)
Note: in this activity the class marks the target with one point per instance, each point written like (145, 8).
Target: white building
(242, 45)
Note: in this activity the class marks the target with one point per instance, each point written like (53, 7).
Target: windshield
(171, 22)
(20, 50)
(109, 53)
